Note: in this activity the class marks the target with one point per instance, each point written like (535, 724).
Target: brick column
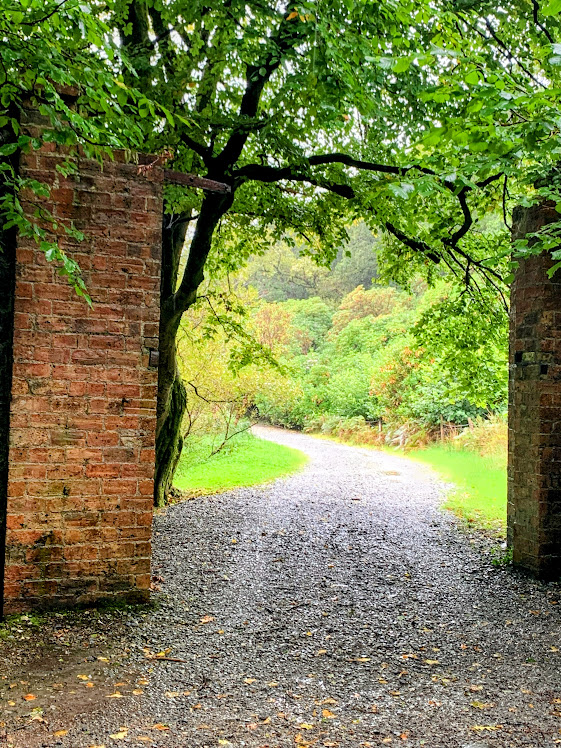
(534, 460)
(83, 411)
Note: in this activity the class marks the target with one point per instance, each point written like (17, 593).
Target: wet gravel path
(340, 608)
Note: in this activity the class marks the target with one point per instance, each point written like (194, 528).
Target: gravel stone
(337, 607)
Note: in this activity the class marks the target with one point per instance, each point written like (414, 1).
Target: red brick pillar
(83, 412)
(534, 460)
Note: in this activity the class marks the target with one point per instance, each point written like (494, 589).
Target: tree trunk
(172, 397)
(169, 438)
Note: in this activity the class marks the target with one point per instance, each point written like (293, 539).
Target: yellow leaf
(362, 659)
(321, 652)
(172, 694)
(159, 726)
(273, 683)
(137, 691)
(480, 705)
(115, 695)
(60, 733)
(103, 659)
(249, 681)
(83, 677)
(431, 662)
(329, 701)
(489, 728)
(142, 681)
(121, 735)
(292, 15)
(306, 726)
(327, 714)
(207, 619)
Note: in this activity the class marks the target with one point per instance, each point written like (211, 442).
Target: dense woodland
(340, 349)
(429, 122)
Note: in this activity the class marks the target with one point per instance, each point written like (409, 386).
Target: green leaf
(472, 78)
(551, 8)
(8, 149)
(401, 65)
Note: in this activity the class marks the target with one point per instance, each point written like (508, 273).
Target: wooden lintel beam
(192, 180)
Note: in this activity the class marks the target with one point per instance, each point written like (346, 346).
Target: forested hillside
(320, 349)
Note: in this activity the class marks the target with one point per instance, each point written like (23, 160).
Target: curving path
(339, 608)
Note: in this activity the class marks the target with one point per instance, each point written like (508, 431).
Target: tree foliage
(417, 117)
(61, 59)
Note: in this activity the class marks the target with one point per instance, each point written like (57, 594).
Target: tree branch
(536, 10)
(288, 35)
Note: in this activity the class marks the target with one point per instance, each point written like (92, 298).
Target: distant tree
(376, 301)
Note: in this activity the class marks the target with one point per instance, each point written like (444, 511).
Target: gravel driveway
(338, 607)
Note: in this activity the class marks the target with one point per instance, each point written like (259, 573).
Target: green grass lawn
(480, 497)
(245, 460)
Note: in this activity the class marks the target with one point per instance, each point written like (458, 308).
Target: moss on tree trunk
(169, 441)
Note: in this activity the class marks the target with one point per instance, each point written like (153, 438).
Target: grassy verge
(244, 461)
(480, 497)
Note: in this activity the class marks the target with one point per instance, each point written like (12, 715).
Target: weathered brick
(534, 488)
(83, 401)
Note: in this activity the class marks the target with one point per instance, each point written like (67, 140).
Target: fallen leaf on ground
(172, 694)
(137, 691)
(327, 714)
(29, 697)
(83, 677)
(431, 662)
(60, 733)
(206, 619)
(489, 728)
(160, 726)
(121, 735)
(249, 681)
(115, 695)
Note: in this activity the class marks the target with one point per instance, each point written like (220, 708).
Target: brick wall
(534, 468)
(82, 426)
